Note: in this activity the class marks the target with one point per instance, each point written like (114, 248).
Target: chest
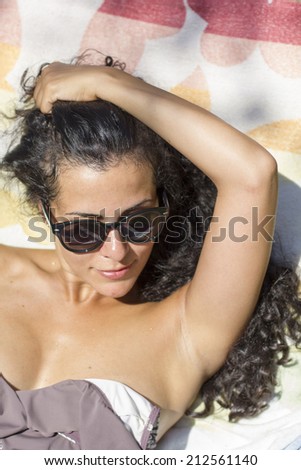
(43, 341)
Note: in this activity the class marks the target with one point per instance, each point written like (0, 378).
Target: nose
(113, 246)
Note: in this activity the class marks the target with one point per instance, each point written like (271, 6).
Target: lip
(116, 273)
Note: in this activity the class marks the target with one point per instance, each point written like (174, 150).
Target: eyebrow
(85, 214)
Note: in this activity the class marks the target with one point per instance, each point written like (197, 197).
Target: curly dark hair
(100, 135)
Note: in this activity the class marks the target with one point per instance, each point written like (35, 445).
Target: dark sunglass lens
(82, 234)
(142, 227)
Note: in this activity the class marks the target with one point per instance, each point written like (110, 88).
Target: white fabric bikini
(138, 414)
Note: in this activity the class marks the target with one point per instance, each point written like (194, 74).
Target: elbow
(256, 171)
(263, 173)
(268, 167)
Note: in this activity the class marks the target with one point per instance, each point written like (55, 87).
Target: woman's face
(113, 268)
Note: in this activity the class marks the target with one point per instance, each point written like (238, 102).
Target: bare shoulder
(17, 260)
(12, 259)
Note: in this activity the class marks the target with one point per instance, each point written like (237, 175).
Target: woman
(106, 341)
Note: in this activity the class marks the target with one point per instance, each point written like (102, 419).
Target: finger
(43, 100)
(37, 89)
(45, 104)
(45, 93)
(42, 67)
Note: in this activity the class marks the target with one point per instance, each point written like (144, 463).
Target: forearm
(226, 155)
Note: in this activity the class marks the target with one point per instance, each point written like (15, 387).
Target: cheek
(75, 263)
(142, 252)
(71, 262)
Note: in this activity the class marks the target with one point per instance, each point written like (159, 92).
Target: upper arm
(224, 290)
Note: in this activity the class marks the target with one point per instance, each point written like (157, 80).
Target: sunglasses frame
(58, 227)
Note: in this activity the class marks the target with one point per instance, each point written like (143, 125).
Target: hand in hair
(65, 82)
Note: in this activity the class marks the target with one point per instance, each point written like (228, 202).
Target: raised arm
(222, 295)
(206, 140)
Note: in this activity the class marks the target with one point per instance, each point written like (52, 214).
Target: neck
(76, 291)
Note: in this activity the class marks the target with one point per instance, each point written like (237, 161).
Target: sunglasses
(83, 235)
